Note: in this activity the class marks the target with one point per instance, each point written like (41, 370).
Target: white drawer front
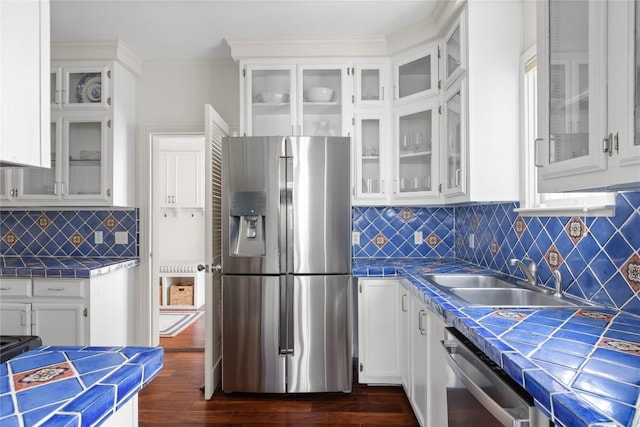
(15, 287)
(58, 288)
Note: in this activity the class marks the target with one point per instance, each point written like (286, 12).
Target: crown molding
(242, 49)
(97, 50)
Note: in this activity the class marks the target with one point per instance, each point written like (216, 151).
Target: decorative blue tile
(60, 420)
(46, 394)
(127, 380)
(6, 406)
(541, 386)
(575, 412)
(608, 388)
(563, 374)
(93, 404)
(514, 364)
(563, 359)
(54, 239)
(571, 347)
(99, 361)
(611, 408)
(11, 422)
(29, 361)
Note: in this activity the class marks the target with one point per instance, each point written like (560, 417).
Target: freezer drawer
(250, 347)
(321, 359)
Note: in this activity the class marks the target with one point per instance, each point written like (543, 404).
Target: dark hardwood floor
(174, 398)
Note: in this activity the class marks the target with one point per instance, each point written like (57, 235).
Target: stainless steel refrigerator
(286, 284)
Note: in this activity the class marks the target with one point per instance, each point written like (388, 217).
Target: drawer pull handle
(5, 289)
(55, 289)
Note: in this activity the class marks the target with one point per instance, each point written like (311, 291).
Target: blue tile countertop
(61, 267)
(73, 386)
(582, 366)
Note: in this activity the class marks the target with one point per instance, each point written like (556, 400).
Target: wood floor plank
(174, 399)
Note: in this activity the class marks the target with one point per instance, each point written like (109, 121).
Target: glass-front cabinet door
(455, 140)
(321, 101)
(416, 75)
(269, 96)
(572, 87)
(416, 150)
(454, 51)
(85, 151)
(44, 183)
(82, 87)
(369, 85)
(369, 167)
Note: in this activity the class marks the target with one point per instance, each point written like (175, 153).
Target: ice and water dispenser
(247, 211)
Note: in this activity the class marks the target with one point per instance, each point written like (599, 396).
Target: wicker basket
(181, 294)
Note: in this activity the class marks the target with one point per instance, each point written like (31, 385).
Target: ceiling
(158, 30)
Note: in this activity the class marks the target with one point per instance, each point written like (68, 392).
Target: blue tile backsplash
(68, 233)
(598, 257)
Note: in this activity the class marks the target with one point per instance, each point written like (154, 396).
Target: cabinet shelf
(373, 158)
(416, 154)
(83, 162)
(321, 107)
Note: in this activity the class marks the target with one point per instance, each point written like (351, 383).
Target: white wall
(173, 94)
(528, 24)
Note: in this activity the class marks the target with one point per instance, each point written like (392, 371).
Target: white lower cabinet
(378, 327)
(405, 302)
(419, 359)
(69, 311)
(399, 343)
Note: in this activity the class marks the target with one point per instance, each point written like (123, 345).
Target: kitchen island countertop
(73, 386)
(62, 267)
(581, 365)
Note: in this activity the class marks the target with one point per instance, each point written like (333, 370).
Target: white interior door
(215, 130)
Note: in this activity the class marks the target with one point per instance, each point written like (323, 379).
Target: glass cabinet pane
(568, 80)
(453, 53)
(414, 77)
(453, 141)
(85, 158)
(370, 157)
(84, 87)
(54, 88)
(5, 182)
(41, 181)
(270, 102)
(321, 106)
(414, 147)
(370, 85)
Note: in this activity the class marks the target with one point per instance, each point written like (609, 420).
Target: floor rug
(174, 322)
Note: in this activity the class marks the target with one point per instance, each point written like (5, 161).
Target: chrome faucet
(530, 272)
(558, 283)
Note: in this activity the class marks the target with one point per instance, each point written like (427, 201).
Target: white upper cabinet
(479, 103)
(587, 65)
(180, 163)
(371, 155)
(289, 98)
(80, 87)
(370, 84)
(92, 133)
(416, 74)
(24, 82)
(268, 100)
(416, 151)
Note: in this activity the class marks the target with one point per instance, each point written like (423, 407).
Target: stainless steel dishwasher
(480, 393)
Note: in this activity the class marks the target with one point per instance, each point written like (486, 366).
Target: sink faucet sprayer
(530, 272)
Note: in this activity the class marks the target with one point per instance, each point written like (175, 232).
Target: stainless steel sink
(468, 281)
(499, 291)
(513, 297)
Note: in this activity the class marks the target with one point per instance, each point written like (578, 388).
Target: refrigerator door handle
(285, 205)
(286, 315)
